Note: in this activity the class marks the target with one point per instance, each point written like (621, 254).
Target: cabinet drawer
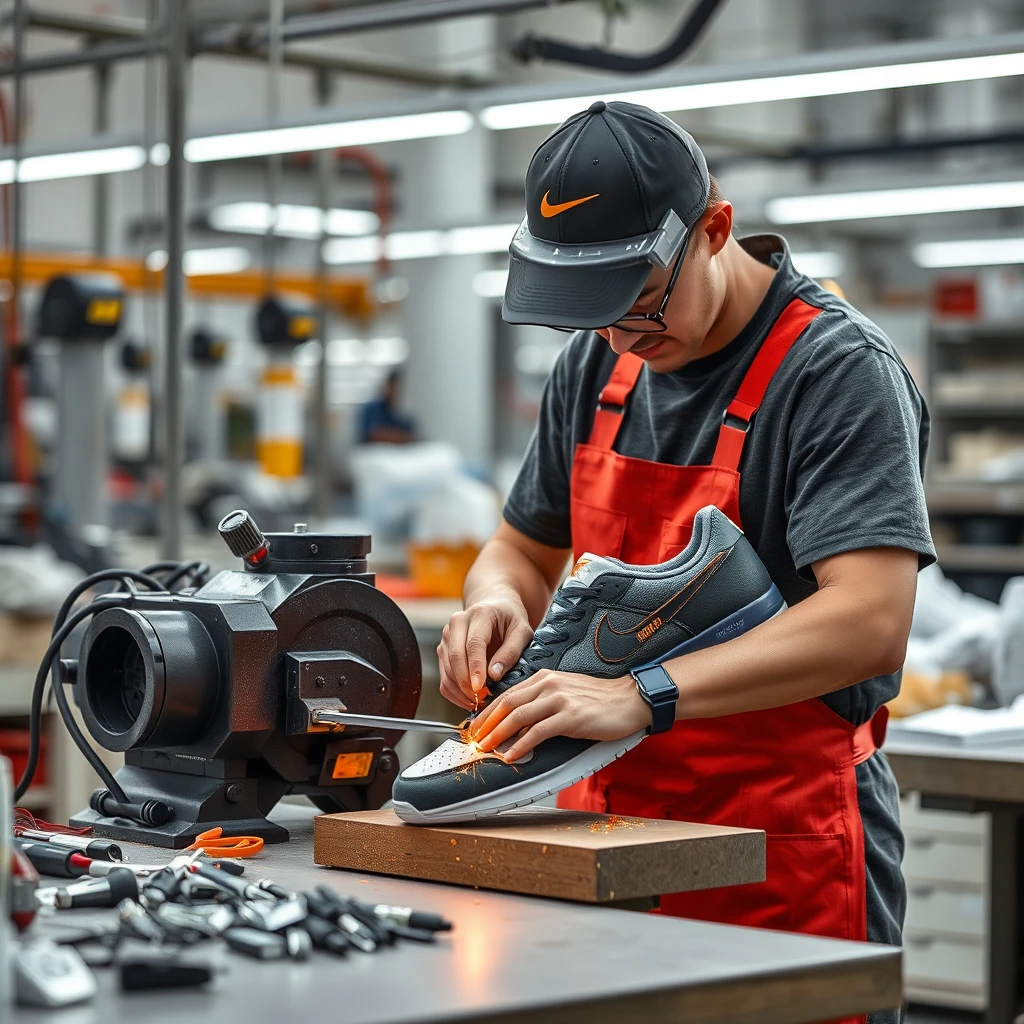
(913, 817)
(935, 908)
(940, 962)
(935, 858)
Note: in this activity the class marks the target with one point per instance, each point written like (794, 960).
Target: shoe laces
(569, 606)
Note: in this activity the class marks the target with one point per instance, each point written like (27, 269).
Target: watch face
(657, 684)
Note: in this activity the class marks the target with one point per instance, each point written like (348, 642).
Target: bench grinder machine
(210, 694)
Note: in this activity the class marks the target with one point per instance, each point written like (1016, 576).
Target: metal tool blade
(383, 722)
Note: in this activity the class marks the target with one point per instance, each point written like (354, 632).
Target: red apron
(788, 770)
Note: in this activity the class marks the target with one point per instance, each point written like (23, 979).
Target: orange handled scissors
(215, 843)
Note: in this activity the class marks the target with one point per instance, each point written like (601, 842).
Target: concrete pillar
(448, 182)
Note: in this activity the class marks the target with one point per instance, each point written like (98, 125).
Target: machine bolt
(234, 793)
(319, 682)
(386, 763)
(313, 549)
(300, 527)
(382, 688)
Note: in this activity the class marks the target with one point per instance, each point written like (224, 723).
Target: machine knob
(243, 537)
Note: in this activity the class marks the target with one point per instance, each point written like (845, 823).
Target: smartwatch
(656, 687)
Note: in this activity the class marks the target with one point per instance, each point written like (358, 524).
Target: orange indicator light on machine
(352, 766)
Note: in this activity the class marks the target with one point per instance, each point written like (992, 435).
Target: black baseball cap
(611, 194)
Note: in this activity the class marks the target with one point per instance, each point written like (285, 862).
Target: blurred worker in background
(705, 369)
(380, 421)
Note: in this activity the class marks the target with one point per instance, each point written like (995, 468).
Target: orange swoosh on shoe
(554, 209)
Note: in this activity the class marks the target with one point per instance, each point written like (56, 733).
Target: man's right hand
(480, 645)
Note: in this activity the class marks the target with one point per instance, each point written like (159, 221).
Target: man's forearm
(502, 571)
(825, 643)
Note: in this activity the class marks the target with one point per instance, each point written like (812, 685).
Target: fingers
(534, 736)
(502, 706)
(518, 719)
(449, 688)
(516, 641)
(454, 639)
(478, 639)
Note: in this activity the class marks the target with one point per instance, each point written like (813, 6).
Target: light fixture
(490, 284)
(411, 245)
(229, 259)
(292, 221)
(701, 95)
(895, 202)
(818, 263)
(309, 137)
(969, 252)
(74, 165)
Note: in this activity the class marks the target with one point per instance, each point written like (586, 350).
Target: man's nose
(619, 340)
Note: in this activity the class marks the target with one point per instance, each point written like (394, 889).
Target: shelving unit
(975, 382)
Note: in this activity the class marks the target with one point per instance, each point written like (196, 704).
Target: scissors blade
(383, 722)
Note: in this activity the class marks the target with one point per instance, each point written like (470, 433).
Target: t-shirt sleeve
(855, 477)
(538, 504)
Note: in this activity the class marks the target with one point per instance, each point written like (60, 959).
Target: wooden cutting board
(543, 851)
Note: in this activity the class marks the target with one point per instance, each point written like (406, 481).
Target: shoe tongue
(587, 569)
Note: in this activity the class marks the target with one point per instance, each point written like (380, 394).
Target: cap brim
(576, 297)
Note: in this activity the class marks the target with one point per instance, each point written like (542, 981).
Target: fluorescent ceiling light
(74, 165)
(761, 90)
(490, 284)
(411, 245)
(229, 259)
(895, 202)
(304, 138)
(969, 252)
(293, 221)
(818, 263)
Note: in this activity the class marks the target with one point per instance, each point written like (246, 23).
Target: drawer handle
(922, 842)
(922, 891)
(919, 942)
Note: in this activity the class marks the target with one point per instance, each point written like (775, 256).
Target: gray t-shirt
(833, 461)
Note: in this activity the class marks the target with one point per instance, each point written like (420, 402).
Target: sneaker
(606, 618)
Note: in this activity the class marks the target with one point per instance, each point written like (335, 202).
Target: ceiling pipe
(530, 47)
(125, 30)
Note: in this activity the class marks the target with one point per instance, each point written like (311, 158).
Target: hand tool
(261, 945)
(51, 860)
(410, 918)
(274, 917)
(135, 921)
(323, 717)
(215, 843)
(326, 936)
(300, 945)
(100, 868)
(143, 973)
(120, 884)
(46, 974)
(98, 849)
(229, 883)
(210, 920)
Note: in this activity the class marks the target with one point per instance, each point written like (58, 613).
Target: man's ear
(718, 226)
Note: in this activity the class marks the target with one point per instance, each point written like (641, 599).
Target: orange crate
(439, 570)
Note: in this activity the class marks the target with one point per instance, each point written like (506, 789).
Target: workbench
(512, 959)
(991, 779)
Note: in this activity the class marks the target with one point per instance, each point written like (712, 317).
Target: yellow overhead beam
(350, 296)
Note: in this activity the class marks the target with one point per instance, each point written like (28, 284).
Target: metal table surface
(514, 958)
(989, 778)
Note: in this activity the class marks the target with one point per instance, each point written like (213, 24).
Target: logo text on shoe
(614, 646)
(649, 629)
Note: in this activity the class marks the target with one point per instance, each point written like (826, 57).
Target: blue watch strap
(656, 687)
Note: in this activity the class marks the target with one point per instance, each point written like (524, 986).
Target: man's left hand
(554, 703)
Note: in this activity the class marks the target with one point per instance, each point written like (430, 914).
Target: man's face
(689, 316)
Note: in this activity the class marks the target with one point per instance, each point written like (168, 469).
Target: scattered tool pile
(164, 910)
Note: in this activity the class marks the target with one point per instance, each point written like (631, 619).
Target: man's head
(618, 198)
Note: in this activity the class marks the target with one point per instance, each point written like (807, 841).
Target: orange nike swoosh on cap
(554, 209)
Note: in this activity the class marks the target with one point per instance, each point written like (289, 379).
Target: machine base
(175, 835)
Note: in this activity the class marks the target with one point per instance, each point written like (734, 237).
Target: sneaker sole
(601, 754)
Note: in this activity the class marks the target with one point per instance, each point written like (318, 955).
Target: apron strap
(736, 421)
(611, 405)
